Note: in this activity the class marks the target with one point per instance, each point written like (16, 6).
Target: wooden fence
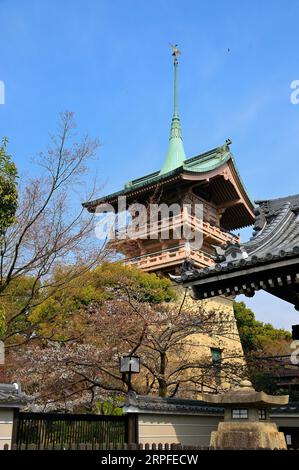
(120, 446)
(60, 431)
(111, 446)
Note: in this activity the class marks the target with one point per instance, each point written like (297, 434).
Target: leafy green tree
(8, 206)
(264, 381)
(14, 300)
(52, 309)
(255, 334)
(148, 287)
(95, 287)
(263, 345)
(110, 407)
(8, 189)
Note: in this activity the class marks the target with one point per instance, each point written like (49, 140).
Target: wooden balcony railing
(169, 257)
(175, 224)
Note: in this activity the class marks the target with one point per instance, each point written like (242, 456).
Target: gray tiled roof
(11, 395)
(292, 407)
(275, 238)
(151, 404)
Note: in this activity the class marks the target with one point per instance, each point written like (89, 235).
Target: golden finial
(175, 51)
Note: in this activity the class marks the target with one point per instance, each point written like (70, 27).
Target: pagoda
(210, 180)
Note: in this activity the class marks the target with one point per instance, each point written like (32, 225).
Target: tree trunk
(161, 379)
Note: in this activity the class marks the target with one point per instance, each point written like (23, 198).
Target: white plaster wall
(184, 429)
(6, 424)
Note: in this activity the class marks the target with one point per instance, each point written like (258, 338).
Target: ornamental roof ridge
(277, 240)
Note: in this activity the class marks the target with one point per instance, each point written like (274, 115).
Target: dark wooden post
(132, 428)
(15, 426)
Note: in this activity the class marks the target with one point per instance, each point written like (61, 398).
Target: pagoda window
(216, 354)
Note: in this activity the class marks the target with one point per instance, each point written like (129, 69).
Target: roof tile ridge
(267, 233)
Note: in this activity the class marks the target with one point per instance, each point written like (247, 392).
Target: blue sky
(110, 63)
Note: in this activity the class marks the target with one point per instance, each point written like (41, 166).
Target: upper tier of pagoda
(210, 180)
(212, 176)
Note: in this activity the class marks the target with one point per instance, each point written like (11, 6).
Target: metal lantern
(129, 364)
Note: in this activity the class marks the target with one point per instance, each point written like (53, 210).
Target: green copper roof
(203, 163)
(176, 154)
(207, 161)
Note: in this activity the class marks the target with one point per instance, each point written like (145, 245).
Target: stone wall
(225, 337)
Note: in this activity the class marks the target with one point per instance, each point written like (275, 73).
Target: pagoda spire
(176, 154)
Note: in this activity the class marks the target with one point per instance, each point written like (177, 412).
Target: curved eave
(207, 162)
(206, 167)
(148, 182)
(131, 193)
(217, 166)
(229, 192)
